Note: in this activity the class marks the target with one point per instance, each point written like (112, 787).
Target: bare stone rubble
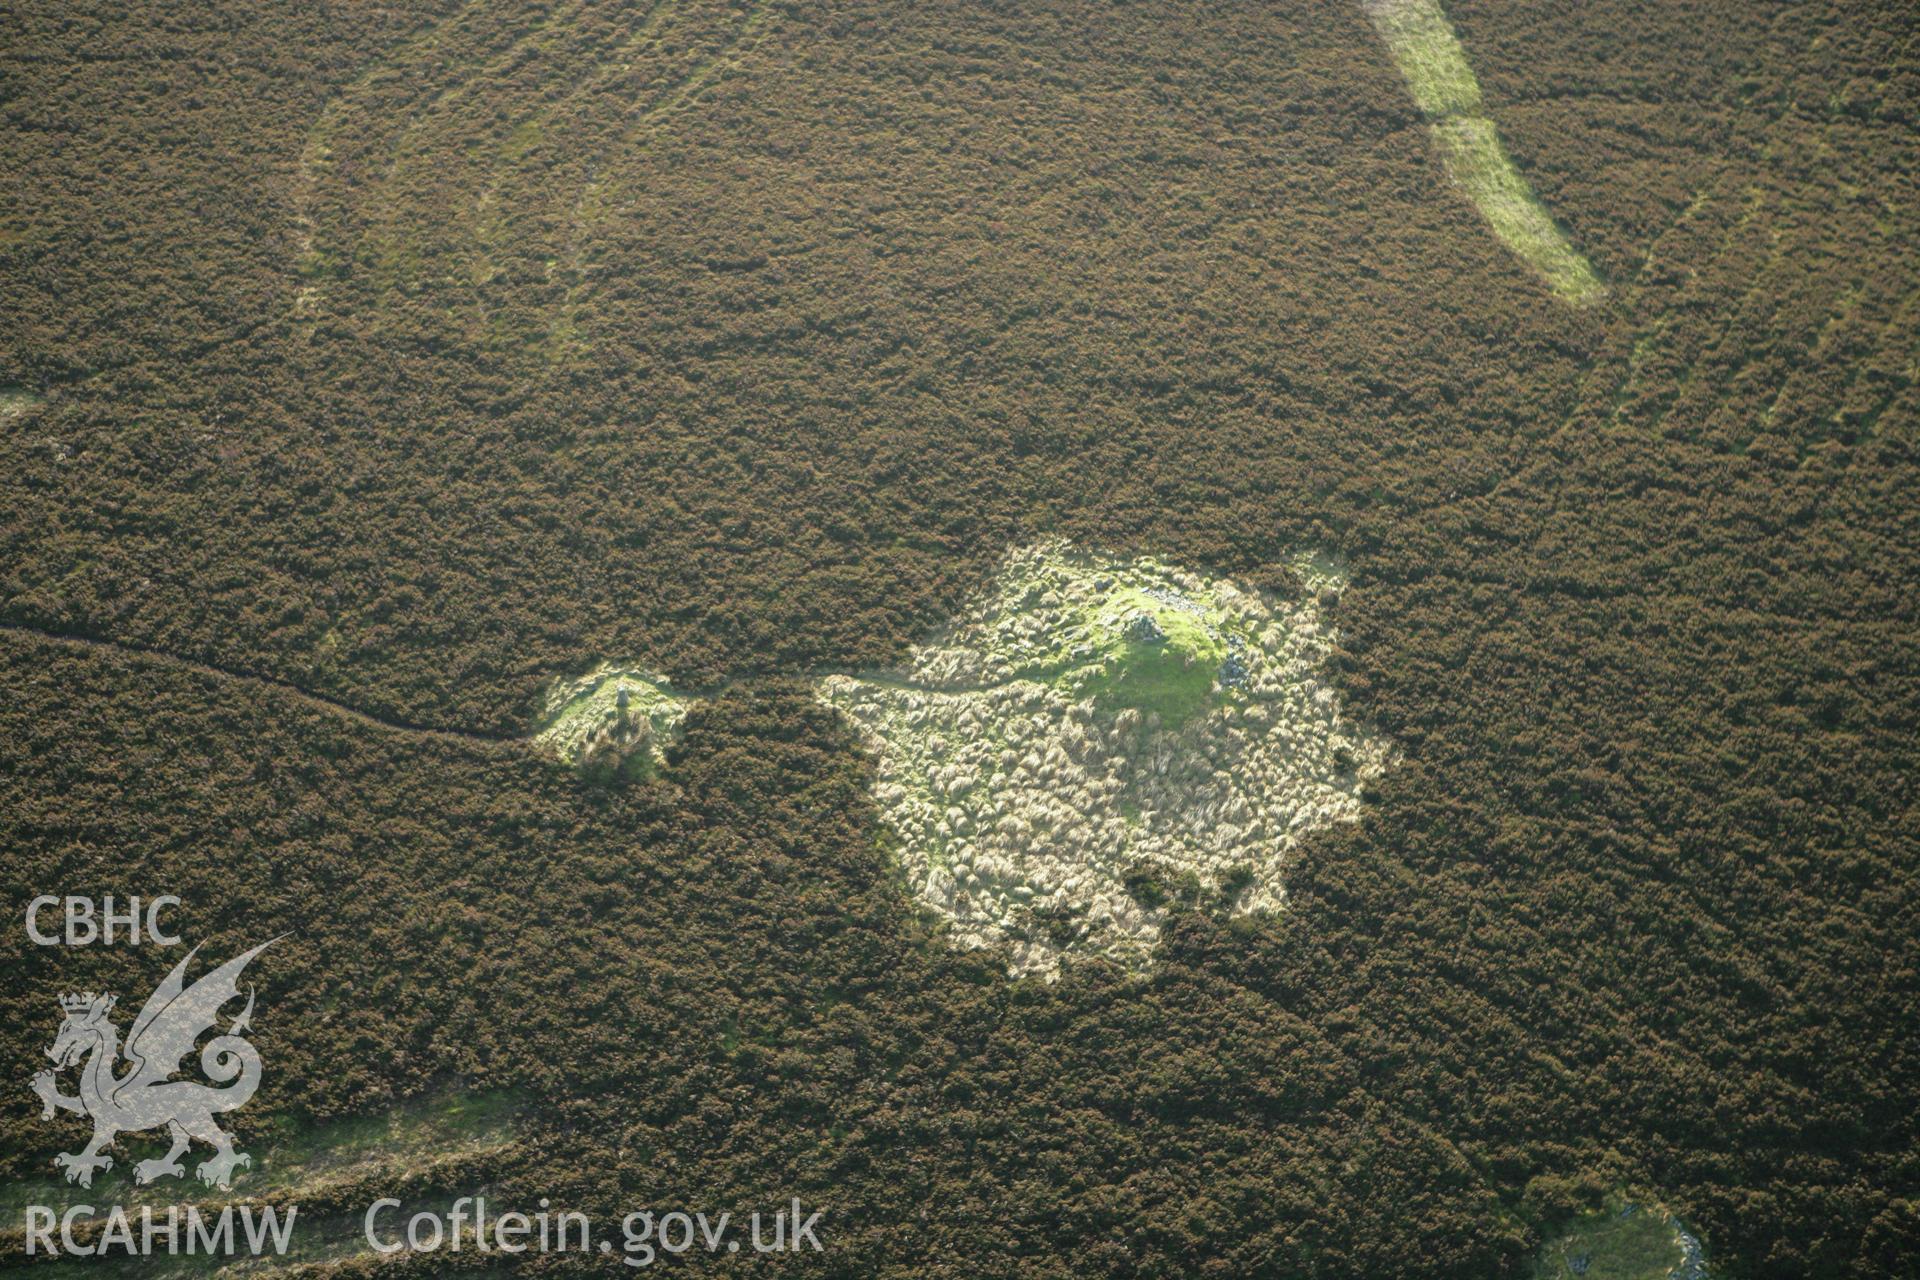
(1024, 796)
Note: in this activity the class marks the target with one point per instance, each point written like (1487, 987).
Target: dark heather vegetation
(408, 355)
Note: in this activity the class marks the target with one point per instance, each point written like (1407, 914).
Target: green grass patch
(1172, 678)
(613, 722)
(16, 400)
(1428, 54)
(1135, 650)
(1619, 1242)
(527, 135)
(1424, 47)
(1480, 163)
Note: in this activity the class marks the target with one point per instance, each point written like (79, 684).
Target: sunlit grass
(1424, 47)
(15, 401)
(1477, 161)
(1620, 1242)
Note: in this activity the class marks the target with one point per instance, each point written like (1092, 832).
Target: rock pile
(1049, 745)
(613, 721)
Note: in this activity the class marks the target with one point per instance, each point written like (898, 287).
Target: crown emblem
(82, 1002)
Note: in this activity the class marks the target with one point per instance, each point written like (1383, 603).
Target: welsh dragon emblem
(142, 1095)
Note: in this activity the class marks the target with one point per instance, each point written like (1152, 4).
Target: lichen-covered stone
(1048, 745)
